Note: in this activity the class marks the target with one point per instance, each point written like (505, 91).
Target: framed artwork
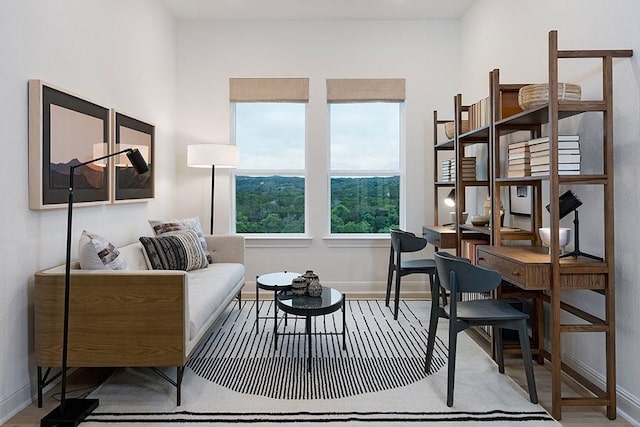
(65, 129)
(520, 200)
(129, 132)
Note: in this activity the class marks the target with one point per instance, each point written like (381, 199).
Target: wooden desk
(529, 267)
(444, 236)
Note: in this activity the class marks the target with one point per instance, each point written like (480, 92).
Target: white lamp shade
(218, 155)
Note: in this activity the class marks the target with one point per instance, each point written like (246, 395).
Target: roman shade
(363, 90)
(269, 90)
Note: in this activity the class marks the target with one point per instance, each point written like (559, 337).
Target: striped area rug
(381, 353)
(237, 377)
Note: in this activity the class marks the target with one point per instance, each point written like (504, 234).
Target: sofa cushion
(134, 255)
(97, 253)
(207, 289)
(172, 226)
(180, 251)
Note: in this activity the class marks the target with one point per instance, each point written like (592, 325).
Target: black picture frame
(520, 200)
(130, 132)
(65, 129)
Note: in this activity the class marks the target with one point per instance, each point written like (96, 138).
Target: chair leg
(431, 338)
(526, 357)
(497, 334)
(179, 375)
(396, 301)
(389, 278)
(451, 374)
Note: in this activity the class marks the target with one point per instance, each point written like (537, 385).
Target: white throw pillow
(96, 253)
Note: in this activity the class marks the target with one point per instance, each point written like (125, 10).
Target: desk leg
(308, 328)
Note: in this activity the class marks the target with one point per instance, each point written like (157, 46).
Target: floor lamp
(212, 156)
(72, 412)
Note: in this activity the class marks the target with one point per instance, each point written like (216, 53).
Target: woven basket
(534, 96)
(448, 128)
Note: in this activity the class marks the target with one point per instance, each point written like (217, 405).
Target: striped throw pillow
(179, 251)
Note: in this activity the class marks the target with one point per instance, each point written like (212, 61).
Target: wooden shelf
(539, 273)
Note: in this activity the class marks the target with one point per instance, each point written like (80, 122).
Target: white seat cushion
(208, 287)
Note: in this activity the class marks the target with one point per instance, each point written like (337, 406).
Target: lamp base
(75, 411)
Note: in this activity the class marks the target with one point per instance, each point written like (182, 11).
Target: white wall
(117, 53)
(513, 36)
(210, 52)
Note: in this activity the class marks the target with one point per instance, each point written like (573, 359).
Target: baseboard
(414, 290)
(11, 405)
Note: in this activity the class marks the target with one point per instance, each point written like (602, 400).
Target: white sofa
(134, 317)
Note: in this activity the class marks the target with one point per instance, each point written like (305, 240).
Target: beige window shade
(269, 90)
(358, 90)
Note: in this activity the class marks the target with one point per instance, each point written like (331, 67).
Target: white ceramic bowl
(545, 235)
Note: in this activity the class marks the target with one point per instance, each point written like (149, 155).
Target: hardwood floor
(88, 379)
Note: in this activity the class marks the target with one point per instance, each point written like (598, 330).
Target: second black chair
(458, 275)
(403, 242)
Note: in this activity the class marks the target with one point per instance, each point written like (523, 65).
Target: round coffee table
(276, 282)
(306, 306)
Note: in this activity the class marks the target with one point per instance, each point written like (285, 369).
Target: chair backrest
(404, 241)
(468, 277)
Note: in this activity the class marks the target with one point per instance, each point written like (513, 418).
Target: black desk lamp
(72, 412)
(569, 202)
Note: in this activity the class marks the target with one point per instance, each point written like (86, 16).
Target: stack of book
(452, 167)
(518, 160)
(568, 155)
(469, 168)
(446, 170)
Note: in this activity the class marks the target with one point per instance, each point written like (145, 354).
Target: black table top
(276, 281)
(331, 300)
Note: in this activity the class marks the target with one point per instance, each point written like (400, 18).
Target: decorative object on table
(135, 134)
(537, 95)
(486, 208)
(449, 128)
(569, 202)
(64, 128)
(73, 411)
(315, 288)
(480, 220)
(299, 286)
(309, 275)
(223, 156)
(563, 240)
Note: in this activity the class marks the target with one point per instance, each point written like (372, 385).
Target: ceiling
(318, 9)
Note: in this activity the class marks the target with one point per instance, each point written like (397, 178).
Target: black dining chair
(458, 275)
(404, 242)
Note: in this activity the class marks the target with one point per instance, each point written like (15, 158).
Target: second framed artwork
(129, 132)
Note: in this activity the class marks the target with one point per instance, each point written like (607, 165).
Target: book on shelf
(522, 155)
(561, 167)
(519, 160)
(564, 142)
(519, 144)
(546, 173)
(562, 158)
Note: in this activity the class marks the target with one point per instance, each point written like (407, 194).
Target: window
(269, 117)
(366, 123)
(270, 180)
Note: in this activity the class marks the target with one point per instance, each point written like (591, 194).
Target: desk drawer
(510, 270)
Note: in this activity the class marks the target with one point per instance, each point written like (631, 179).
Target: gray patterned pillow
(172, 226)
(179, 251)
(97, 253)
